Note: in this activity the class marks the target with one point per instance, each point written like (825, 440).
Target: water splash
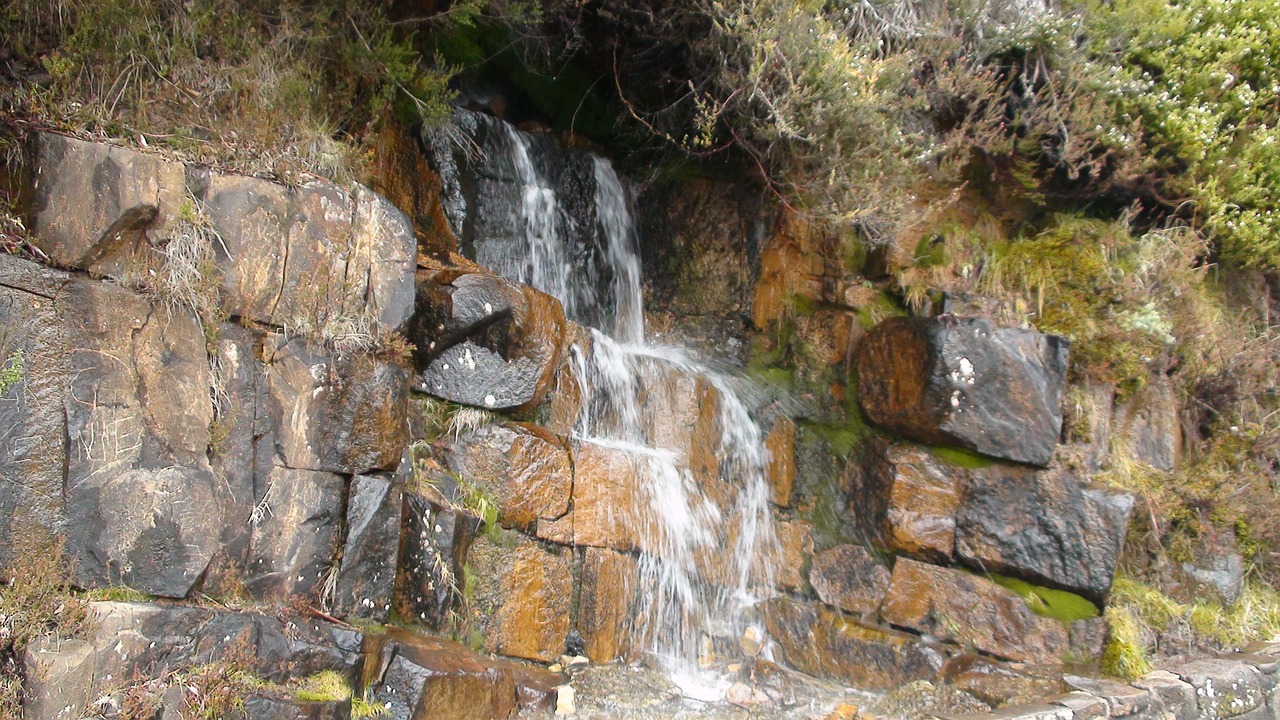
(700, 518)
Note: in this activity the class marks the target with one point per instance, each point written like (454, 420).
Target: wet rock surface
(485, 341)
(851, 578)
(434, 541)
(1046, 527)
(824, 642)
(366, 576)
(524, 467)
(425, 677)
(908, 499)
(965, 382)
(521, 605)
(970, 610)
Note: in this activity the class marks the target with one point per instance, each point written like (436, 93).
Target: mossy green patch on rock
(961, 457)
(1060, 605)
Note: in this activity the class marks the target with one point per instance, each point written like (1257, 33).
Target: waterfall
(706, 540)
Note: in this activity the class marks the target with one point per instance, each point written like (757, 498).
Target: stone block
(851, 578)
(524, 467)
(965, 382)
(521, 603)
(969, 610)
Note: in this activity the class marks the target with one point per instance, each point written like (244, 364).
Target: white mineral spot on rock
(564, 701)
(488, 309)
(467, 360)
(445, 366)
(955, 398)
(489, 400)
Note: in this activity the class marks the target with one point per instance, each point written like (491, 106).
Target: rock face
(367, 574)
(970, 610)
(851, 578)
(422, 677)
(138, 640)
(485, 341)
(335, 412)
(521, 604)
(965, 382)
(1146, 426)
(823, 642)
(608, 590)
(296, 534)
(1043, 526)
(526, 468)
(314, 257)
(82, 189)
(434, 542)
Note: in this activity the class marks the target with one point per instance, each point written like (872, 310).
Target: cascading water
(705, 535)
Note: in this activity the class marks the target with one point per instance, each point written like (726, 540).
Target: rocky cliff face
(212, 408)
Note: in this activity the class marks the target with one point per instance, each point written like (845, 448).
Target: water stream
(707, 548)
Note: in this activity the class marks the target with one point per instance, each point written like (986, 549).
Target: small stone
(577, 660)
(556, 667)
(750, 641)
(564, 701)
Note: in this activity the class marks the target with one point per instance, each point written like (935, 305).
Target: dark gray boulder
(333, 411)
(484, 341)
(294, 538)
(965, 382)
(434, 543)
(366, 577)
(1044, 526)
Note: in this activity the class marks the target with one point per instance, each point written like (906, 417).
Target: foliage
(1124, 655)
(1206, 86)
(325, 686)
(260, 86)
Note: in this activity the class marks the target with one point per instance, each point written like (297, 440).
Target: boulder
(367, 574)
(607, 592)
(152, 530)
(907, 499)
(427, 677)
(522, 601)
(335, 412)
(1044, 526)
(525, 468)
(485, 341)
(294, 539)
(823, 642)
(851, 578)
(33, 452)
(315, 257)
(1175, 696)
(966, 609)
(965, 382)
(139, 640)
(94, 201)
(434, 541)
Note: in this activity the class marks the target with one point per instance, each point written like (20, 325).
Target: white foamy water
(705, 535)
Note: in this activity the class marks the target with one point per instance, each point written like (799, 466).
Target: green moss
(843, 439)
(11, 373)
(960, 457)
(325, 686)
(1063, 606)
(777, 377)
